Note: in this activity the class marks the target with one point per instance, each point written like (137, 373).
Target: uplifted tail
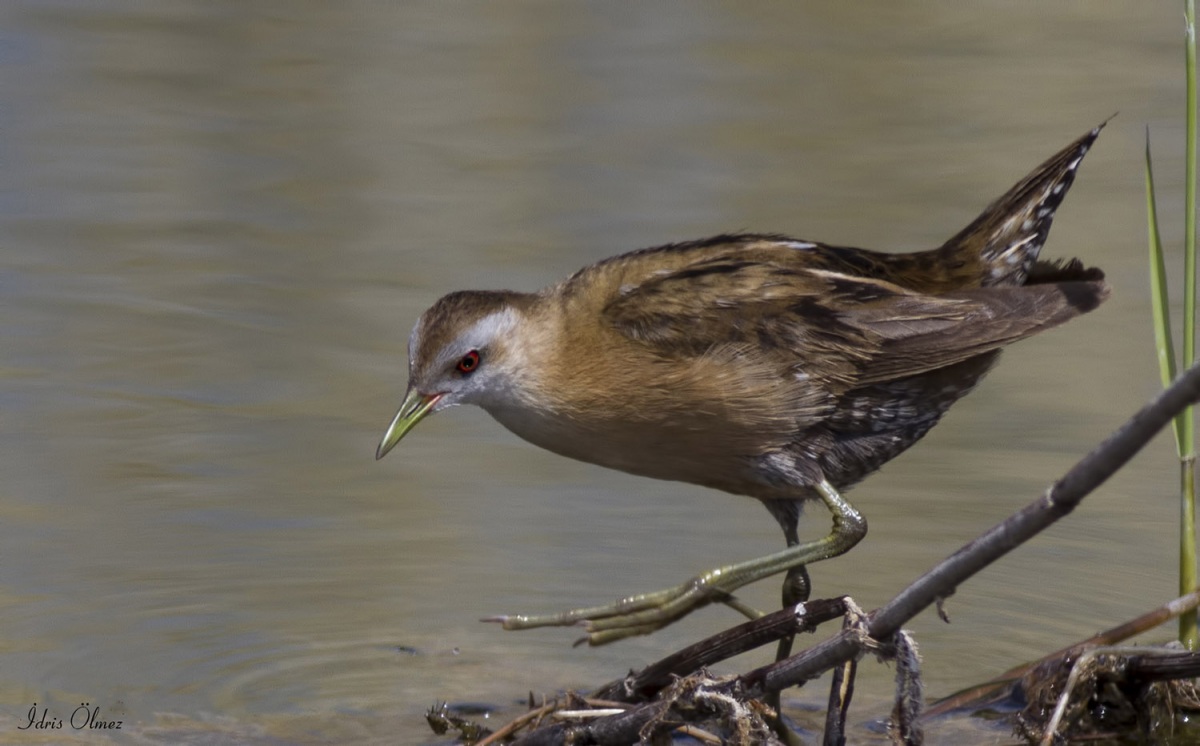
(1002, 244)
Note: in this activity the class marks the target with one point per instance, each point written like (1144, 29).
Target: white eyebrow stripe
(495, 325)
(498, 325)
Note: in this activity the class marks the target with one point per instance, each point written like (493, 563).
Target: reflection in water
(220, 220)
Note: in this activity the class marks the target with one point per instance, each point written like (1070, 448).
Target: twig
(643, 685)
(1112, 636)
(516, 724)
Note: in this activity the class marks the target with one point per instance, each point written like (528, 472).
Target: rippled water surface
(219, 221)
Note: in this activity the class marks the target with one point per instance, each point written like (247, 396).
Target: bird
(779, 369)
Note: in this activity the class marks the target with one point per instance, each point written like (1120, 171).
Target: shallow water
(220, 220)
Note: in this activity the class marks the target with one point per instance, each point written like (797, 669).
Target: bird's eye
(468, 363)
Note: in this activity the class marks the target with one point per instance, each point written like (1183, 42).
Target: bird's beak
(416, 405)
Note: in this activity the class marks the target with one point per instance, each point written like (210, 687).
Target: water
(219, 221)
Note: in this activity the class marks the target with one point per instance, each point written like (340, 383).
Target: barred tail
(1004, 241)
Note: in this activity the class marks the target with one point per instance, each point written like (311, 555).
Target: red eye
(469, 362)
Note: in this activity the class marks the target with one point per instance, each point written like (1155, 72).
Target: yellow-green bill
(416, 405)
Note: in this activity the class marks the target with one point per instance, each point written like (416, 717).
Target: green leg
(645, 613)
(796, 587)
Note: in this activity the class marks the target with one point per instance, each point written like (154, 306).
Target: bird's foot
(631, 616)
(641, 615)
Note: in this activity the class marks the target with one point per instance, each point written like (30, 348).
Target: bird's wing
(736, 301)
(850, 330)
(919, 333)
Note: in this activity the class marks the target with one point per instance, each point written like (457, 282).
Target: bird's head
(463, 350)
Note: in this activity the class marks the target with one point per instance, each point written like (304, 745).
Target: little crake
(757, 364)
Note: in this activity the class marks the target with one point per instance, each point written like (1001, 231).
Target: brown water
(219, 221)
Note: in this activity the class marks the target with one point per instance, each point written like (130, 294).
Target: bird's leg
(796, 587)
(643, 614)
